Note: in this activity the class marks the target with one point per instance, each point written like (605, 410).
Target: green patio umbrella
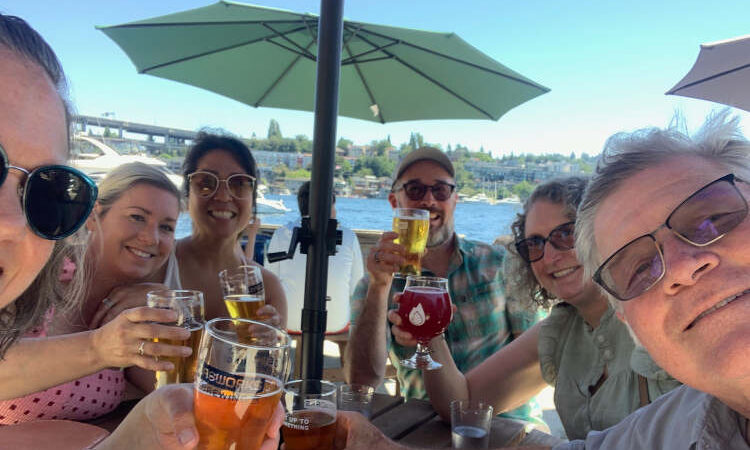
(270, 57)
(267, 57)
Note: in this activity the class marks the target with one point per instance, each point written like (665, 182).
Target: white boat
(96, 159)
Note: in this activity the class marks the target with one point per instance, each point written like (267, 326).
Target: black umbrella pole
(330, 28)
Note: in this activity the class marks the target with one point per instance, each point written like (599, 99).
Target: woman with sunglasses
(131, 235)
(581, 348)
(42, 201)
(220, 186)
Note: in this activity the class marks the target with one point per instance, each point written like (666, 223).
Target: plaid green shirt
(483, 323)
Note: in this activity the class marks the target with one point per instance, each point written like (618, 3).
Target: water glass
(470, 424)
(356, 397)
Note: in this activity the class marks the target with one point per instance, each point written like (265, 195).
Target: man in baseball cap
(481, 325)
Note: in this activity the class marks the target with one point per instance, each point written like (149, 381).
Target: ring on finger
(140, 348)
(376, 256)
(108, 302)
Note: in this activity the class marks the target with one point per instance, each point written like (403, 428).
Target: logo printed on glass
(417, 316)
(256, 289)
(222, 380)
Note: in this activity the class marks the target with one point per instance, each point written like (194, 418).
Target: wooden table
(413, 423)
(416, 424)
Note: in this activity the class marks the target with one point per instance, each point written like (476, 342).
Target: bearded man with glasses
(482, 323)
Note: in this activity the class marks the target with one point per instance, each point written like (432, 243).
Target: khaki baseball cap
(425, 154)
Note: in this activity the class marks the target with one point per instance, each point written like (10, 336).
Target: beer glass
(190, 308)
(242, 366)
(310, 422)
(413, 227)
(425, 310)
(242, 288)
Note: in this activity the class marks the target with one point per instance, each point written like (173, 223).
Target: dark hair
(17, 36)
(45, 291)
(564, 191)
(206, 143)
(303, 199)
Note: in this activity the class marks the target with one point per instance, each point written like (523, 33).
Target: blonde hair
(120, 179)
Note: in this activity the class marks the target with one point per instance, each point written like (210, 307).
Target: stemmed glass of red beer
(425, 310)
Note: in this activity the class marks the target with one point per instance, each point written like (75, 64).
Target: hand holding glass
(190, 308)
(425, 310)
(239, 384)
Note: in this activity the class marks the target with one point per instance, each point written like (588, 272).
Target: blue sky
(607, 64)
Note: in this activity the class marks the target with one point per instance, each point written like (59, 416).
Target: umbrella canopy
(720, 74)
(267, 57)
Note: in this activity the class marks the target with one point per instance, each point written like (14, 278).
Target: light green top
(573, 355)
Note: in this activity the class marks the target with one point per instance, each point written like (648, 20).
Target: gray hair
(521, 283)
(45, 291)
(120, 179)
(719, 140)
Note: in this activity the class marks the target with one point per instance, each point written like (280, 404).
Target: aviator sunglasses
(55, 199)
(416, 191)
(561, 237)
(700, 220)
(205, 184)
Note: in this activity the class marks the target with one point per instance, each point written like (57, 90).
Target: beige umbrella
(720, 74)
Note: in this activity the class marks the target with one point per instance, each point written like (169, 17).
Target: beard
(440, 236)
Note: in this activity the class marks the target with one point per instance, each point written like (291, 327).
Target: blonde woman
(131, 236)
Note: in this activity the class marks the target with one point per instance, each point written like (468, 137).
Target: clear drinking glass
(470, 424)
(356, 397)
(242, 366)
(425, 310)
(413, 228)
(190, 308)
(242, 288)
(310, 422)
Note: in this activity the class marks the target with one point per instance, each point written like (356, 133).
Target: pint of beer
(413, 227)
(238, 386)
(243, 291)
(190, 308)
(310, 422)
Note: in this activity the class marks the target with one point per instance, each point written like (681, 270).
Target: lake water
(478, 221)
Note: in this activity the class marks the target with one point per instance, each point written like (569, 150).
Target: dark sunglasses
(561, 237)
(702, 219)
(55, 199)
(416, 191)
(205, 184)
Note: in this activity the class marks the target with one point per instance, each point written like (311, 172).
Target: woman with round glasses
(220, 186)
(131, 236)
(581, 348)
